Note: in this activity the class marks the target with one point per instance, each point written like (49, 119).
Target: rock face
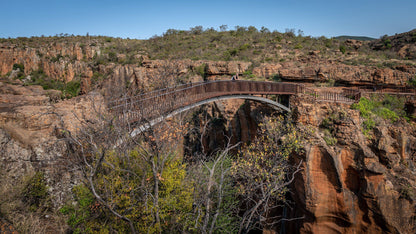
(29, 121)
(58, 60)
(357, 185)
(67, 61)
(233, 121)
(403, 44)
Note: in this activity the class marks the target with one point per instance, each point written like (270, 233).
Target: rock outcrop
(403, 44)
(67, 61)
(358, 184)
(30, 120)
(57, 60)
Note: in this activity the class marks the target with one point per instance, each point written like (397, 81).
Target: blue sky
(143, 19)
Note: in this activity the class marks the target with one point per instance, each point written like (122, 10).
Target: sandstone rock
(29, 118)
(355, 186)
(353, 43)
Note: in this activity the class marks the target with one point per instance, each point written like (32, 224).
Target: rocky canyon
(353, 179)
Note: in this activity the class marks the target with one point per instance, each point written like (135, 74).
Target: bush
(277, 77)
(342, 48)
(248, 74)
(389, 108)
(412, 82)
(329, 139)
(69, 90)
(35, 192)
(79, 212)
(72, 89)
(19, 66)
(298, 46)
(202, 70)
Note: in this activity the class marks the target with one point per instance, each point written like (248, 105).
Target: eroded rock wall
(30, 125)
(357, 185)
(67, 61)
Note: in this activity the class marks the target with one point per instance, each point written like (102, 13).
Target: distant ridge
(359, 38)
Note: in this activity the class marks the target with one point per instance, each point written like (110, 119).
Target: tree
(342, 48)
(262, 173)
(223, 28)
(215, 204)
(264, 30)
(139, 180)
(197, 30)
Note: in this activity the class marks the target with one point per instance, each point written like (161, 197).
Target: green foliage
(127, 184)
(262, 168)
(56, 59)
(277, 77)
(248, 74)
(221, 195)
(80, 211)
(176, 196)
(202, 70)
(72, 88)
(112, 56)
(328, 138)
(69, 90)
(387, 43)
(407, 192)
(328, 124)
(19, 66)
(342, 48)
(412, 82)
(389, 108)
(35, 193)
(298, 46)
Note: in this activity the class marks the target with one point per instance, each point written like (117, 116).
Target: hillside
(358, 38)
(69, 163)
(403, 44)
(78, 64)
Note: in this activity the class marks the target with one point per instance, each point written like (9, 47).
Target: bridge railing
(156, 103)
(347, 95)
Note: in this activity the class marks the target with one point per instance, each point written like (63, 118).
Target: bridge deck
(152, 105)
(156, 103)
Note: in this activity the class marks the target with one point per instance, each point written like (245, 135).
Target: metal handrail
(159, 102)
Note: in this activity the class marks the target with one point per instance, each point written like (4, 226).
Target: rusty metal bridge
(152, 107)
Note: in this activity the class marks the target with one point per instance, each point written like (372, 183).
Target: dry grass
(22, 217)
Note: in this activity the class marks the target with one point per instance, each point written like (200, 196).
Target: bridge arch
(159, 119)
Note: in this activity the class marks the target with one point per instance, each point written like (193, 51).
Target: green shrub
(19, 66)
(112, 56)
(387, 43)
(35, 192)
(248, 74)
(412, 82)
(72, 89)
(389, 108)
(298, 46)
(329, 139)
(202, 70)
(69, 90)
(342, 48)
(79, 212)
(56, 59)
(277, 77)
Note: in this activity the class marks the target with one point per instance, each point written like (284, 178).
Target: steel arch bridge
(153, 107)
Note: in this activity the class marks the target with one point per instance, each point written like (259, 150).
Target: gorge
(357, 161)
